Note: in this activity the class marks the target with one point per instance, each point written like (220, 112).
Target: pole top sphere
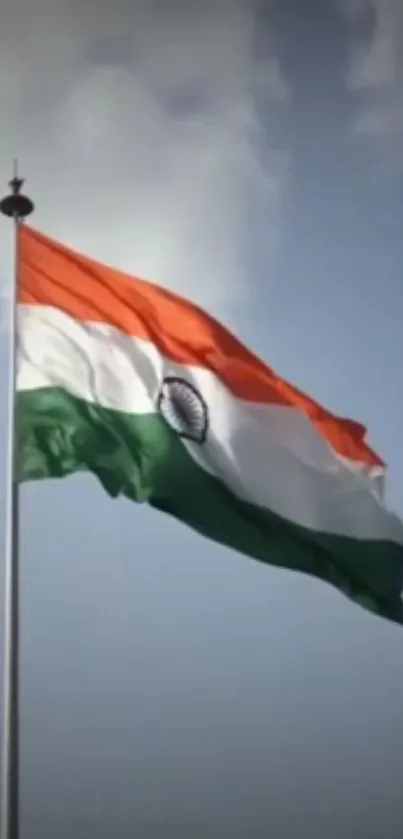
(16, 205)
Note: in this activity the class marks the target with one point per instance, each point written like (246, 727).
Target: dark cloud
(375, 75)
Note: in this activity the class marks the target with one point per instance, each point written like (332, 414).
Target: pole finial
(16, 205)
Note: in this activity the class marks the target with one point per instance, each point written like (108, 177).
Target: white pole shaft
(10, 803)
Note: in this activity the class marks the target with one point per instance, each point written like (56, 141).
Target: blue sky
(248, 158)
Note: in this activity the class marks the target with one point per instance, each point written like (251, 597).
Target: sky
(249, 156)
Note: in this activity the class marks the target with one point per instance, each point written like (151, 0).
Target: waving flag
(126, 380)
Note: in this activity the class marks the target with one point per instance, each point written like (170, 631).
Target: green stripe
(140, 457)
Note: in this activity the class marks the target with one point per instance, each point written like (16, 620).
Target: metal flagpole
(15, 206)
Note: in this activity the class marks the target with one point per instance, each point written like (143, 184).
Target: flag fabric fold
(124, 379)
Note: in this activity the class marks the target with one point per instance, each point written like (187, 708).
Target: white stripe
(269, 455)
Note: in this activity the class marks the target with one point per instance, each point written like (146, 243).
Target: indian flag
(126, 380)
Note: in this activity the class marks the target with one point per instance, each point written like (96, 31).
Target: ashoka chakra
(183, 408)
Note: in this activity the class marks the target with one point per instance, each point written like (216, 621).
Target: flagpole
(16, 206)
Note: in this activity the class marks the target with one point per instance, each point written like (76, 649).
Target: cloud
(141, 136)
(376, 73)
